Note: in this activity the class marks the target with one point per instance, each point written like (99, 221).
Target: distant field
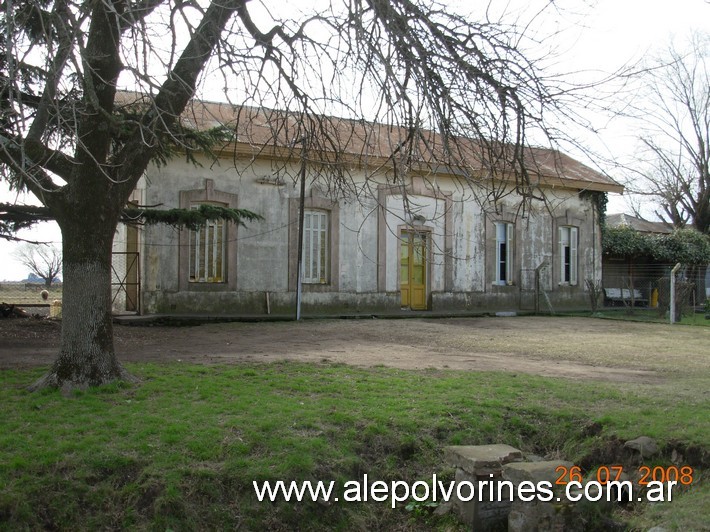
(19, 293)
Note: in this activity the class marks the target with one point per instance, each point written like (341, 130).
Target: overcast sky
(598, 35)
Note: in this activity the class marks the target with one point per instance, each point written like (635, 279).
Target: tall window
(504, 253)
(207, 253)
(568, 255)
(315, 247)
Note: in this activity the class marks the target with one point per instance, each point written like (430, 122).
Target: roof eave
(376, 161)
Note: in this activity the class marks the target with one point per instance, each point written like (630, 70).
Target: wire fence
(648, 285)
(125, 282)
(125, 288)
(633, 286)
(29, 294)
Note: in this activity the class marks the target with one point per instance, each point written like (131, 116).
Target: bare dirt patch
(563, 347)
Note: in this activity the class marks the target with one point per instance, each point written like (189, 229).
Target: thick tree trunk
(86, 356)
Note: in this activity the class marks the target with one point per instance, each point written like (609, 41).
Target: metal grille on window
(315, 247)
(207, 252)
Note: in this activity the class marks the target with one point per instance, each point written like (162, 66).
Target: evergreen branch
(188, 218)
(15, 217)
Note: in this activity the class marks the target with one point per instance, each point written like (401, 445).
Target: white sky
(593, 35)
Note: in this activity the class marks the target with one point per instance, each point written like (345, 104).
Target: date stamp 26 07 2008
(653, 478)
(682, 475)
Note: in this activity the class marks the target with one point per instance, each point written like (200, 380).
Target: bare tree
(45, 261)
(675, 168)
(72, 138)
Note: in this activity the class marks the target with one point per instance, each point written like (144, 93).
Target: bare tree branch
(94, 91)
(675, 169)
(45, 261)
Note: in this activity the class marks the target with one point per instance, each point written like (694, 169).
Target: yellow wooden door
(413, 270)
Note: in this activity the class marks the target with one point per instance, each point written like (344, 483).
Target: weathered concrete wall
(469, 255)
(358, 247)
(431, 212)
(366, 275)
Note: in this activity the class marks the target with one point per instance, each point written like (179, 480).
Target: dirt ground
(566, 347)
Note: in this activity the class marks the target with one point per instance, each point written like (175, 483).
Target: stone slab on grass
(481, 459)
(536, 472)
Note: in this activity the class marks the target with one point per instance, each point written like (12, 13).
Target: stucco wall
(366, 276)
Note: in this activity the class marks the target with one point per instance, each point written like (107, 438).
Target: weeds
(181, 449)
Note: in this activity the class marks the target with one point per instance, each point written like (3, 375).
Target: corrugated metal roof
(268, 132)
(639, 224)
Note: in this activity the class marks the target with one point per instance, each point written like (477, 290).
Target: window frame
(314, 203)
(504, 264)
(218, 253)
(208, 195)
(319, 245)
(568, 249)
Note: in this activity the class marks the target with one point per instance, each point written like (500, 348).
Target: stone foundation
(482, 467)
(500, 478)
(535, 515)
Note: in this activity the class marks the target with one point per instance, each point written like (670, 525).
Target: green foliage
(193, 140)
(686, 246)
(624, 241)
(180, 139)
(421, 508)
(189, 218)
(14, 217)
(599, 200)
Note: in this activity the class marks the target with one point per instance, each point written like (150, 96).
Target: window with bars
(207, 252)
(315, 247)
(504, 253)
(568, 255)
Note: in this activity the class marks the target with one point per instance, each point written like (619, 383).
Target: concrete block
(535, 472)
(482, 509)
(482, 467)
(481, 459)
(535, 516)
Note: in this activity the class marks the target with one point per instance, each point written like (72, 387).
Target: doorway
(413, 269)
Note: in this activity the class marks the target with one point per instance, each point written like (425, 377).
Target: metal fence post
(673, 272)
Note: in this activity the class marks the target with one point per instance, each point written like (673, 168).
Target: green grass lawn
(16, 293)
(647, 315)
(179, 451)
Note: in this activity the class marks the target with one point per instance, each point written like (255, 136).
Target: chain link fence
(648, 286)
(125, 288)
(125, 282)
(29, 294)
